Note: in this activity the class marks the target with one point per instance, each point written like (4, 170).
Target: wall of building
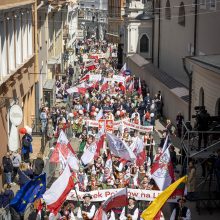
(170, 99)
(209, 81)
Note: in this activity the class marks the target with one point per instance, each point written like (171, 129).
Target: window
(212, 4)
(144, 44)
(181, 19)
(168, 10)
(201, 97)
(156, 6)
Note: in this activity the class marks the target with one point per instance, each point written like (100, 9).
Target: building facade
(205, 82)
(93, 18)
(184, 28)
(18, 63)
(116, 12)
(137, 29)
(57, 27)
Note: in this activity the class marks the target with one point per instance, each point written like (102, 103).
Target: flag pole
(126, 207)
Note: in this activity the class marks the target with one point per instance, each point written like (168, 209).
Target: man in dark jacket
(8, 167)
(6, 196)
(38, 165)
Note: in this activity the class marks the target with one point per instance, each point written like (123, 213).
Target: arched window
(181, 19)
(201, 97)
(168, 10)
(144, 44)
(217, 107)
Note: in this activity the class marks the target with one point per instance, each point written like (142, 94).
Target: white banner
(126, 124)
(102, 195)
(138, 127)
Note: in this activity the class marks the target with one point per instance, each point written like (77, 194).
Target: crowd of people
(111, 99)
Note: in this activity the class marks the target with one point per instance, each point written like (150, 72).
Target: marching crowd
(107, 99)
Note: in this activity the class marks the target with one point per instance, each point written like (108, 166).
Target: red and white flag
(120, 199)
(80, 90)
(99, 144)
(138, 148)
(57, 193)
(131, 86)
(63, 146)
(85, 78)
(139, 87)
(100, 214)
(162, 170)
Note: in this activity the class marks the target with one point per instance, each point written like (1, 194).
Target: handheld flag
(56, 195)
(156, 205)
(119, 148)
(31, 191)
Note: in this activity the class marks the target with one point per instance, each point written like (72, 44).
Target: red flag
(120, 199)
(82, 90)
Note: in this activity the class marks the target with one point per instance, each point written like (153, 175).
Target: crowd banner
(138, 127)
(125, 123)
(102, 195)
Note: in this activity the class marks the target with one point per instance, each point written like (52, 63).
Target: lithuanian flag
(155, 206)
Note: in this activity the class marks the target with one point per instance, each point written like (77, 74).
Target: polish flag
(120, 199)
(85, 78)
(57, 193)
(139, 87)
(162, 170)
(62, 146)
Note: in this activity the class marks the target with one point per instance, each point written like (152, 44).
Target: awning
(49, 84)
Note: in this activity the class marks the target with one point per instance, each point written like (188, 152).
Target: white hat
(97, 109)
(118, 113)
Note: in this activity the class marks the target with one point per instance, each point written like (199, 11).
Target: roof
(176, 87)
(211, 62)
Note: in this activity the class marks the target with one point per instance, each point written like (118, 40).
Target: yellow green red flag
(150, 212)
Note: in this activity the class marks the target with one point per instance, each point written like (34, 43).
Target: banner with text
(102, 195)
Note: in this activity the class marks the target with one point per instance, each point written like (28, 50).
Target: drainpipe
(40, 5)
(152, 42)
(158, 46)
(189, 74)
(195, 27)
